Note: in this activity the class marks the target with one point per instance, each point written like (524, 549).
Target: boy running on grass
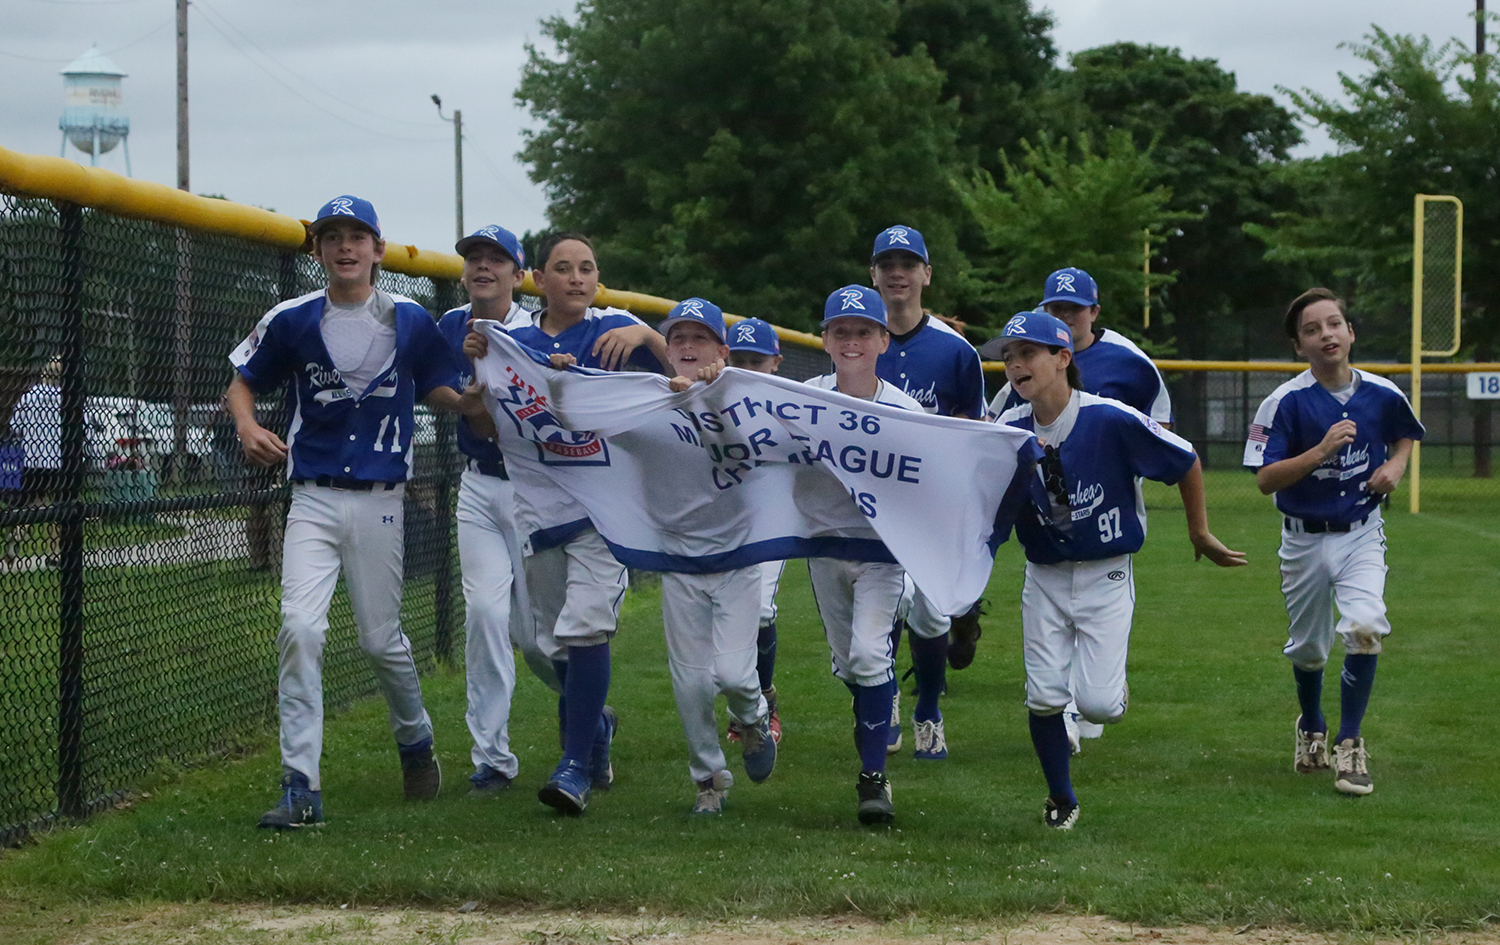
(1331, 443)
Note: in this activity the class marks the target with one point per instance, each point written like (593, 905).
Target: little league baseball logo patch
(556, 446)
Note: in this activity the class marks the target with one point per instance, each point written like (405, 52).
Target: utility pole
(182, 92)
(458, 162)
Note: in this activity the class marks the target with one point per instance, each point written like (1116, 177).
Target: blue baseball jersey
(336, 431)
(1108, 446)
(1114, 367)
(578, 340)
(454, 325)
(1297, 416)
(937, 367)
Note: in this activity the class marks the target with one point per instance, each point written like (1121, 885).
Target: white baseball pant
(576, 590)
(1075, 633)
(770, 582)
(923, 619)
(858, 602)
(711, 629)
(1317, 571)
(358, 533)
(496, 614)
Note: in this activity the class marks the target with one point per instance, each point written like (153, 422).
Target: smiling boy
(1331, 443)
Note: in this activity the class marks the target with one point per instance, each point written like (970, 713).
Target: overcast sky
(297, 101)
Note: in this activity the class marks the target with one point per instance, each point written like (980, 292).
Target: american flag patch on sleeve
(1258, 434)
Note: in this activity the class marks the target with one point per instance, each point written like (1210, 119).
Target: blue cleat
(601, 769)
(487, 781)
(568, 789)
(300, 806)
(759, 750)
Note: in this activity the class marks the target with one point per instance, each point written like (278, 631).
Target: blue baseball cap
(1071, 285)
(854, 301)
(495, 236)
(753, 334)
(1038, 327)
(697, 310)
(348, 208)
(900, 237)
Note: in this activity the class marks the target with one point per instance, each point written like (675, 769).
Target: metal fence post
(70, 789)
(445, 297)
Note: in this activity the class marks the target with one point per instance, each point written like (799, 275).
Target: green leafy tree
(744, 150)
(1218, 149)
(1421, 119)
(995, 56)
(1062, 205)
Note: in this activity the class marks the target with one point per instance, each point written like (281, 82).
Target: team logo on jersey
(1016, 326)
(744, 333)
(1065, 282)
(898, 234)
(1085, 500)
(1345, 465)
(1155, 427)
(851, 299)
(342, 206)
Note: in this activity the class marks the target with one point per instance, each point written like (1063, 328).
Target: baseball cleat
(601, 769)
(299, 807)
(712, 793)
(421, 775)
(1075, 739)
(770, 695)
(1059, 815)
(487, 781)
(1350, 765)
(963, 636)
(1310, 749)
(568, 789)
(931, 743)
(759, 751)
(875, 807)
(893, 735)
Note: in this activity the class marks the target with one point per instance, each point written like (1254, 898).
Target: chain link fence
(139, 556)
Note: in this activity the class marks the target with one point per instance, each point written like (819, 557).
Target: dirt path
(158, 925)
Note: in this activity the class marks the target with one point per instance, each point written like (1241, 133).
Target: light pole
(458, 162)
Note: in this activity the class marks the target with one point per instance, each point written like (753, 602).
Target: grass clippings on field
(22, 924)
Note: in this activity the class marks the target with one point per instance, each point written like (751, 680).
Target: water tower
(93, 115)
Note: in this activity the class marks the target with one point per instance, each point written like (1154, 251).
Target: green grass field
(1190, 809)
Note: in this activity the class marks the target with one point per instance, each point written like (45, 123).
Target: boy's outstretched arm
(1204, 542)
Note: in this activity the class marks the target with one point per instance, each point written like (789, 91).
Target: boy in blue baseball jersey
(1110, 365)
(1331, 443)
(754, 346)
(709, 619)
(939, 369)
(1079, 594)
(858, 600)
(496, 607)
(575, 584)
(356, 359)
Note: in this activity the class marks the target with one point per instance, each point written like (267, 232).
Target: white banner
(754, 467)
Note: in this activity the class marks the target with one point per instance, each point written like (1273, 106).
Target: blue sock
(873, 710)
(1049, 736)
(1310, 698)
(765, 660)
(586, 688)
(560, 667)
(1355, 683)
(930, 658)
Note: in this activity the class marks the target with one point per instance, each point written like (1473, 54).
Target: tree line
(748, 151)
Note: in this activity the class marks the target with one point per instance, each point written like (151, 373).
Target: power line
(495, 171)
(292, 89)
(302, 78)
(107, 52)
